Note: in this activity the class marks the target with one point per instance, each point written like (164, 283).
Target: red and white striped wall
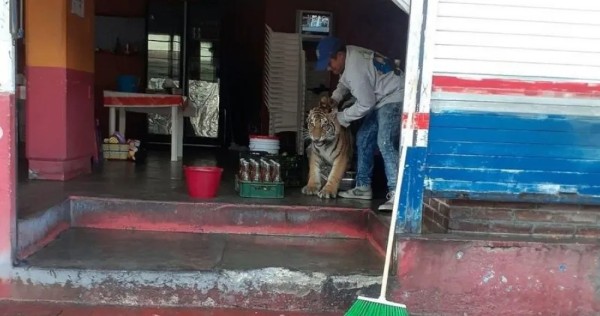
(529, 69)
(518, 56)
(417, 125)
(515, 95)
(504, 56)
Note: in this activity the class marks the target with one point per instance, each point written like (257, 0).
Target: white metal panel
(504, 12)
(7, 51)
(588, 5)
(523, 41)
(467, 102)
(547, 39)
(518, 55)
(513, 70)
(403, 4)
(480, 25)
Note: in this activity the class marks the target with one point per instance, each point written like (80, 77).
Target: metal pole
(184, 84)
(184, 79)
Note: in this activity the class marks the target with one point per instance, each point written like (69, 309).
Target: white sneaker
(360, 193)
(389, 205)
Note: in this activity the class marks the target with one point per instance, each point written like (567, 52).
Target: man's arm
(340, 92)
(365, 101)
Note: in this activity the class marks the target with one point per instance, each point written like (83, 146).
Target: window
(207, 62)
(164, 54)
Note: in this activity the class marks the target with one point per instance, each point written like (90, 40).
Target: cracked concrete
(205, 270)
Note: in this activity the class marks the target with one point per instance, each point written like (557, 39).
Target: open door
(183, 46)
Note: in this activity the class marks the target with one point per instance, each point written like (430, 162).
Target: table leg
(174, 132)
(180, 135)
(122, 121)
(112, 120)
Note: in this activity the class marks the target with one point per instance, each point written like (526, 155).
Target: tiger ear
(327, 104)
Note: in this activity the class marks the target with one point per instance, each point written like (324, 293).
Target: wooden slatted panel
(283, 86)
(582, 5)
(486, 153)
(448, 102)
(556, 40)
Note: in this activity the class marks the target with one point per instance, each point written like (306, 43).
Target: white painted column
(8, 152)
(174, 132)
(180, 134)
(403, 4)
(112, 120)
(122, 116)
(409, 219)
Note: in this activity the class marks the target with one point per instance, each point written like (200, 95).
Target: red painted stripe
(158, 101)
(420, 120)
(515, 87)
(8, 184)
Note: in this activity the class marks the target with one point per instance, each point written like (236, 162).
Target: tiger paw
(310, 189)
(327, 193)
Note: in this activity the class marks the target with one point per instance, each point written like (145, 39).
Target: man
(379, 91)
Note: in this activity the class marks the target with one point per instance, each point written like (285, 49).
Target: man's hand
(328, 104)
(333, 103)
(339, 117)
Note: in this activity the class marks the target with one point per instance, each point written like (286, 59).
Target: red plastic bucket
(202, 182)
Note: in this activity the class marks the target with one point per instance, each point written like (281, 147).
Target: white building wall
(554, 40)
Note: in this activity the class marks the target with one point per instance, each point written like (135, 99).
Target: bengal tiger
(331, 148)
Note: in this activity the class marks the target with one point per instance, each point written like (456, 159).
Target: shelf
(106, 53)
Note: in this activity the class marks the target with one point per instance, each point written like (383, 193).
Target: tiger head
(322, 126)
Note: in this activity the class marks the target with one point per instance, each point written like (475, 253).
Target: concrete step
(201, 217)
(538, 220)
(126, 252)
(12, 308)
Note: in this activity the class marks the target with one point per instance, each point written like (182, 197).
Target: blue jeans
(380, 128)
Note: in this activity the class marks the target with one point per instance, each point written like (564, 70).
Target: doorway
(184, 54)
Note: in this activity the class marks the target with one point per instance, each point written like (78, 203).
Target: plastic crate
(260, 190)
(115, 151)
(294, 168)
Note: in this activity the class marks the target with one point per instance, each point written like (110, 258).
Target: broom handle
(392, 233)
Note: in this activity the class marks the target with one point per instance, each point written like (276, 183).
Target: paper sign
(78, 7)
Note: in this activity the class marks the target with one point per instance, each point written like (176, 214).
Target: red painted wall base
(60, 122)
(481, 277)
(59, 170)
(7, 184)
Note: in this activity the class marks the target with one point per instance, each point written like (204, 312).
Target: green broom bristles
(372, 307)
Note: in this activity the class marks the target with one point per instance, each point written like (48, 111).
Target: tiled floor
(161, 180)
(157, 179)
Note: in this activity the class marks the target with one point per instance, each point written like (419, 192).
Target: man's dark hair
(340, 48)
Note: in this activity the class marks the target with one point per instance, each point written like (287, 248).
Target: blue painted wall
(526, 157)
(410, 215)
